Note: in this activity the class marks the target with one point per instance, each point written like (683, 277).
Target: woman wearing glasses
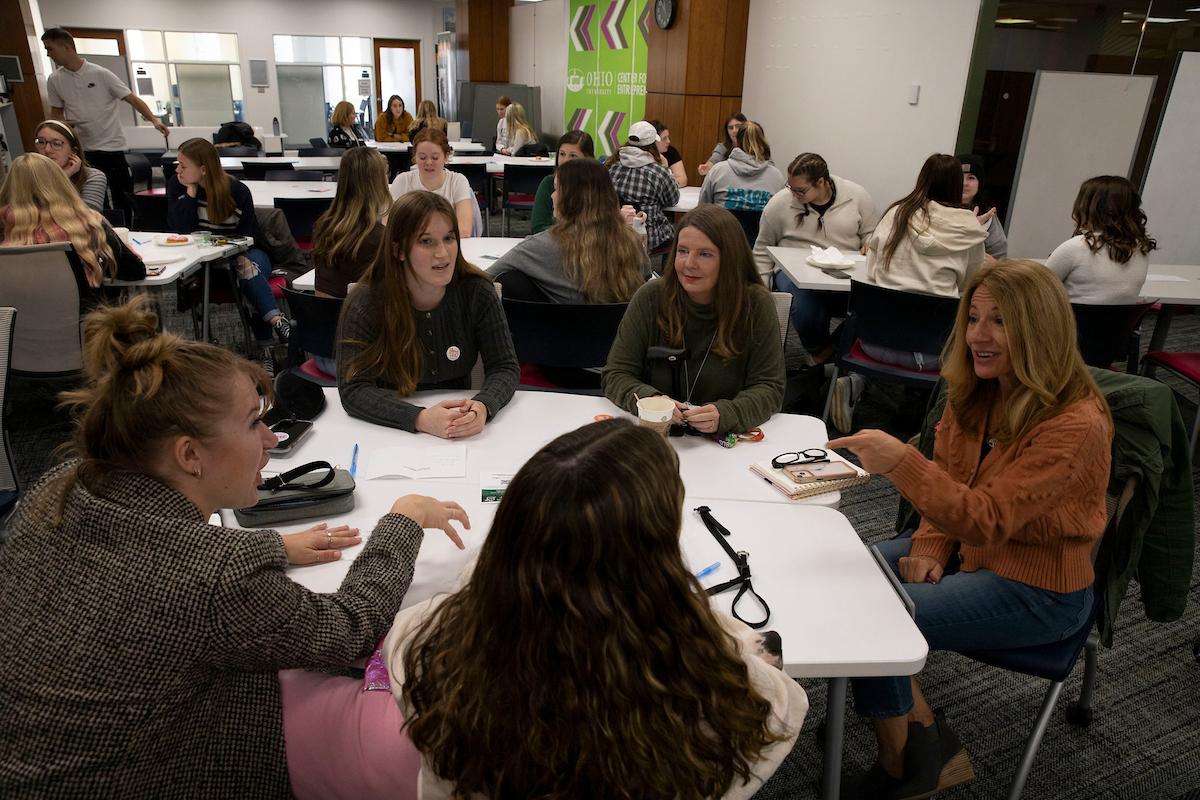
(710, 305)
(1011, 504)
(57, 142)
(817, 208)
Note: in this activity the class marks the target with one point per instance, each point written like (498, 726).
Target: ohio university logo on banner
(606, 69)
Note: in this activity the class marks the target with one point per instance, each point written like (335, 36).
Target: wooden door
(398, 71)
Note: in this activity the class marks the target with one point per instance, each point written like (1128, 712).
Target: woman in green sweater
(711, 304)
(571, 145)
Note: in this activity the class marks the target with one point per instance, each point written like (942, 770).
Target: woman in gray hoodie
(747, 180)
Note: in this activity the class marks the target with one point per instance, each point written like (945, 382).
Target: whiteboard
(1079, 125)
(1169, 196)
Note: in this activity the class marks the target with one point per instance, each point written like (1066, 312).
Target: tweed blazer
(139, 645)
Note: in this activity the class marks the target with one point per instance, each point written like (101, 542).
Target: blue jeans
(972, 611)
(811, 312)
(258, 292)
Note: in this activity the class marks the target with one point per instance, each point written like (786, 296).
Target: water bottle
(639, 226)
(275, 126)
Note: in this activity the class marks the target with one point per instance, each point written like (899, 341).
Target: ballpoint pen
(709, 570)
(354, 460)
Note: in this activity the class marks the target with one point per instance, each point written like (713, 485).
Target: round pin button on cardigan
(452, 352)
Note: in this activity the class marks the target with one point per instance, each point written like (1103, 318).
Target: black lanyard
(741, 560)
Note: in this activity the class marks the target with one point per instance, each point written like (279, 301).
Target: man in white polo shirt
(87, 96)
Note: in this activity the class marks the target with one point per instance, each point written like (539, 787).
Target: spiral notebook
(810, 484)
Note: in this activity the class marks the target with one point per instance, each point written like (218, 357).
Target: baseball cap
(642, 133)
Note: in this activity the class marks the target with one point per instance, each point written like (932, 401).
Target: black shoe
(956, 764)
(266, 360)
(283, 328)
(874, 784)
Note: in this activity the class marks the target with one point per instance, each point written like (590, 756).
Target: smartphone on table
(289, 433)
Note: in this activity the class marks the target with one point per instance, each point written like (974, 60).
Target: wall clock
(664, 13)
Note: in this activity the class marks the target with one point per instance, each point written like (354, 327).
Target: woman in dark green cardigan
(572, 144)
(712, 304)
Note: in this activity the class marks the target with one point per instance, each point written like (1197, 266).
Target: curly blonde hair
(38, 198)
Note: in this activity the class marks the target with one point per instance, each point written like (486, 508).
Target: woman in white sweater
(925, 243)
(1106, 261)
(821, 209)
(582, 658)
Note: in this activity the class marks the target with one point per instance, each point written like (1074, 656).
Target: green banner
(606, 69)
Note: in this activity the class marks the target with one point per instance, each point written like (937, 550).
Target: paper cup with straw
(655, 412)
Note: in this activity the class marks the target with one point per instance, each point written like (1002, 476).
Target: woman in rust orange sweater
(1011, 506)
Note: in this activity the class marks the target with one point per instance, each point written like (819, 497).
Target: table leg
(835, 723)
(1162, 326)
(204, 308)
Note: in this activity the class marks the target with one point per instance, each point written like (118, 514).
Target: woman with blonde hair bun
(149, 669)
(1011, 507)
(38, 205)
(746, 180)
(582, 658)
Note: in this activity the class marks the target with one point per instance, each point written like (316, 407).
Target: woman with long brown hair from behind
(346, 236)
(38, 205)
(417, 321)
(1105, 262)
(710, 304)
(582, 658)
(589, 255)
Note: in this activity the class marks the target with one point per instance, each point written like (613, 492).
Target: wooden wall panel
(26, 96)
(694, 75)
(737, 23)
(706, 46)
(481, 39)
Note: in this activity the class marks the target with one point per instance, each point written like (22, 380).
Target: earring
(196, 472)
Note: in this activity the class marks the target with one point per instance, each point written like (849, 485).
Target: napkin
(831, 256)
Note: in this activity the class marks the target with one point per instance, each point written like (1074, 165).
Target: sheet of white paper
(1167, 278)
(411, 462)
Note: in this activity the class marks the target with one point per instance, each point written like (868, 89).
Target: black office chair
(114, 216)
(314, 333)
(907, 321)
(569, 343)
(306, 152)
(140, 169)
(749, 219)
(293, 175)
(149, 211)
(257, 171)
(400, 162)
(238, 152)
(477, 176)
(1110, 333)
(318, 142)
(301, 214)
(521, 183)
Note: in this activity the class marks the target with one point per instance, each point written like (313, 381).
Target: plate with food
(172, 240)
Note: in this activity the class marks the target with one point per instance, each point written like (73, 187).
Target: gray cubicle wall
(477, 106)
(1169, 196)
(1079, 125)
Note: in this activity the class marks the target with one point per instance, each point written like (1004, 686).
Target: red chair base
(316, 374)
(277, 282)
(1185, 365)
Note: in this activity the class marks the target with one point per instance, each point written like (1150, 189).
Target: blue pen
(354, 461)
(709, 570)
